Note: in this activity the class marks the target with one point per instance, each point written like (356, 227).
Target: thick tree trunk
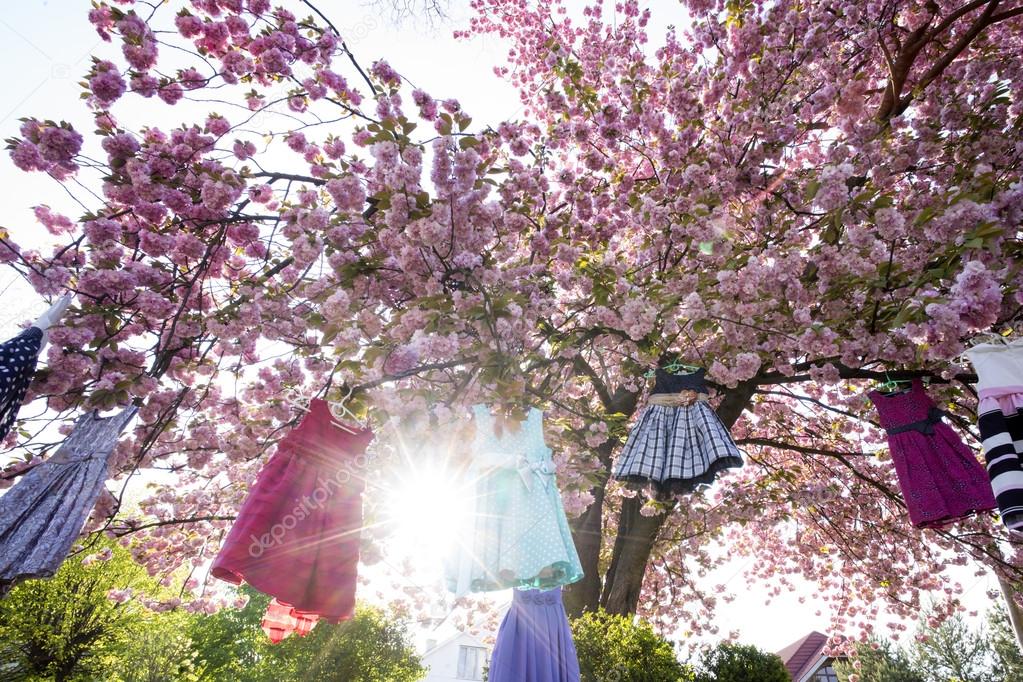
(637, 534)
(1015, 614)
(633, 545)
(587, 531)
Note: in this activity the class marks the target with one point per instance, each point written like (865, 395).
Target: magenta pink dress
(297, 535)
(940, 476)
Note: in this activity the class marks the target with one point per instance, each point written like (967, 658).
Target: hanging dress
(678, 443)
(518, 535)
(534, 642)
(1000, 420)
(297, 534)
(18, 358)
(42, 516)
(940, 476)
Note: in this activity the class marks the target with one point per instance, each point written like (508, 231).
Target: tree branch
(126, 529)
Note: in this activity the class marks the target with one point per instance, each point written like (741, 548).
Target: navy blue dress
(18, 359)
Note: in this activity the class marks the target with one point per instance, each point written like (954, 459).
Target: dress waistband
(538, 597)
(681, 399)
(926, 425)
(998, 391)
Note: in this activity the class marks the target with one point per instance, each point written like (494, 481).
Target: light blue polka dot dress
(519, 535)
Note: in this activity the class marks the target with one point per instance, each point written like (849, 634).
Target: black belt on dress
(926, 426)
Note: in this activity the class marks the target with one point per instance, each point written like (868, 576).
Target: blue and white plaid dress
(675, 449)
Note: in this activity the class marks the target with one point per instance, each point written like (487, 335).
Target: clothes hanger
(299, 401)
(345, 413)
(295, 399)
(502, 419)
(52, 316)
(674, 367)
(992, 338)
(1011, 335)
(892, 386)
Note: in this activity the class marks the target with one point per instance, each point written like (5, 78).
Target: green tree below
(1008, 657)
(878, 661)
(66, 627)
(617, 648)
(740, 663)
(231, 645)
(953, 651)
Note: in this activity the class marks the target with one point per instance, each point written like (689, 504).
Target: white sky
(46, 46)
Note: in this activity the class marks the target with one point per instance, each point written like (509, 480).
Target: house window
(826, 674)
(470, 662)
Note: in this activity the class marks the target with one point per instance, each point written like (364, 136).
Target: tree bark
(633, 545)
(637, 534)
(1015, 614)
(588, 528)
(587, 531)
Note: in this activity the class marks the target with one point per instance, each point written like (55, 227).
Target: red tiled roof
(802, 653)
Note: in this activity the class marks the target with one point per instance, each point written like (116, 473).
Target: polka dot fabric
(519, 535)
(18, 359)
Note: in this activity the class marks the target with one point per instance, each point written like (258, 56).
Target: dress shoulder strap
(484, 423)
(534, 422)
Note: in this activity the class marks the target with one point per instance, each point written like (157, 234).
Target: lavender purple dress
(534, 643)
(940, 476)
(42, 516)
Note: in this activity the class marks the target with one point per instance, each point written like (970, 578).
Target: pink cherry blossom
(735, 192)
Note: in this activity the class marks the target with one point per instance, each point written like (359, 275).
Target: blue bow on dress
(543, 470)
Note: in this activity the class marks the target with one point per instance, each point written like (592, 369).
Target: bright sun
(426, 505)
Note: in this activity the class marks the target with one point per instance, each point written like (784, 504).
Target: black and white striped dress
(675, 449)
(1000, 420)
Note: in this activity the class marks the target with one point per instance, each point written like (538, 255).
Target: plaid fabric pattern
(1001, 432)
(677, 449)
(281, 620)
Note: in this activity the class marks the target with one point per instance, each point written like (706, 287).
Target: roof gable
(803, 653)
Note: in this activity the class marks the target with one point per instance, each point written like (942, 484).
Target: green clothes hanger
(893, 385)
(674, 367)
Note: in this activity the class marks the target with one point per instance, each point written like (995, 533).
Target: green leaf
(811, 189)
(883, 201)
(445, 124)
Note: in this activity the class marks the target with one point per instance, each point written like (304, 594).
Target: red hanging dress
(297, 535)
(940, 477)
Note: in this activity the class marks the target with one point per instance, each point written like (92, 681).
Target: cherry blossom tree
(803, 197)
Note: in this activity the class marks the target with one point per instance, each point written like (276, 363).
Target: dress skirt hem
(681, 486)
(675, 450)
